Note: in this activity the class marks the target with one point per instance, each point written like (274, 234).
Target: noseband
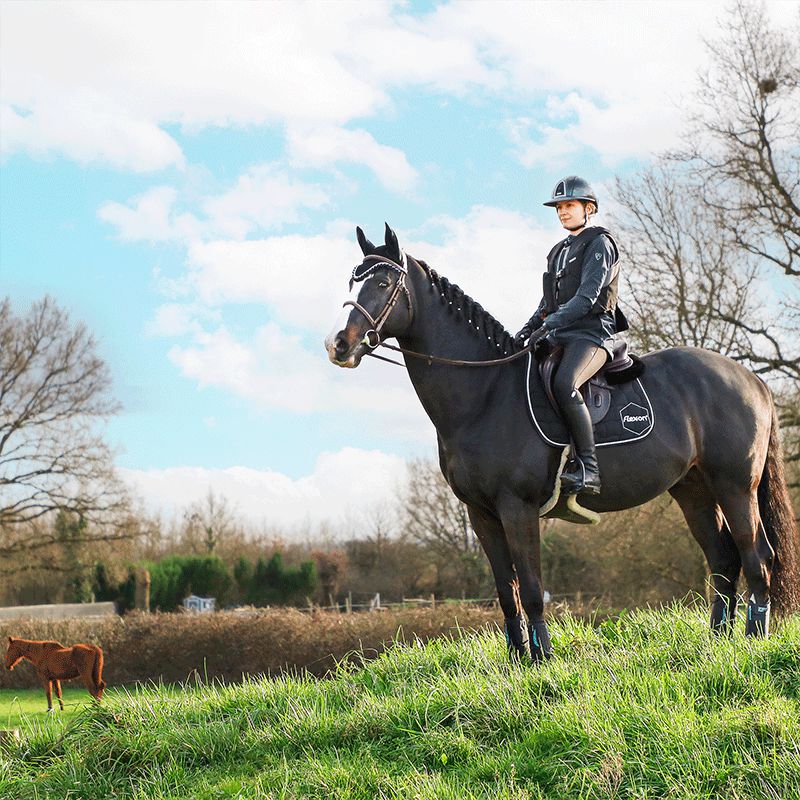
(360, 273)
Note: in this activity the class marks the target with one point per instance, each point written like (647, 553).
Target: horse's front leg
(57, 684)
(493, 540)
(48, 691)
(521, 525)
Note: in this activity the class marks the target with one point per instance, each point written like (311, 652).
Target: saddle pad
(630, 418)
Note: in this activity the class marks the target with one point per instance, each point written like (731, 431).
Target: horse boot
(757, 618)
(723, 610)
(516, 637)
(582, 475)
(539, 636)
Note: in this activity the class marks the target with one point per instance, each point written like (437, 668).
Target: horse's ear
(10, 638)
(367, 248)
(391, 241)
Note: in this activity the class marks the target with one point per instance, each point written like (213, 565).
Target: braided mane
(479, 321)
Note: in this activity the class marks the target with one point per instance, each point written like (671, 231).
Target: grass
(23, 707)
(648, 705)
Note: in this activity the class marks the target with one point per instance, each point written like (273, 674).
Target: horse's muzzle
(343, 352)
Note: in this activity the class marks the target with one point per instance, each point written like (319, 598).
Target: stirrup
(577, 484)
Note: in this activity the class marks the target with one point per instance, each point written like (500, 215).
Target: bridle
(400, 287)
(359, 274)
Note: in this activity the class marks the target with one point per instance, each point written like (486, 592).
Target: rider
(578, 311)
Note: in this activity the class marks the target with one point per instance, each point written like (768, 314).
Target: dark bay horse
(55, 663)
(715, 446)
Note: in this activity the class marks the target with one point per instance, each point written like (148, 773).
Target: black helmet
(572, 188)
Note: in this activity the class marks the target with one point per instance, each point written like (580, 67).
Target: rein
(453, 362)
(378, 322)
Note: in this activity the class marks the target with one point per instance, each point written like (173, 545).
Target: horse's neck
(35, 651)
(452, 396)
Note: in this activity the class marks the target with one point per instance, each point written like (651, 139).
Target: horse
(715, 447)
(55, 663)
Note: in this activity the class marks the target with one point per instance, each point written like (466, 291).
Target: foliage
(648, 705)
(274, 583)
(176, 577)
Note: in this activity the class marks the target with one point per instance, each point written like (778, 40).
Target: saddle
(622, 368)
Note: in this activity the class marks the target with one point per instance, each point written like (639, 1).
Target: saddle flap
(596, 392)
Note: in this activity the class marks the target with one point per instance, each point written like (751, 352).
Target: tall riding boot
(582, 474)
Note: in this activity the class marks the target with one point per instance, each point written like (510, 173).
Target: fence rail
(58, 611)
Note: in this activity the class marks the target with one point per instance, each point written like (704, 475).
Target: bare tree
(54, 397)
(688, 284)
(435, 518)
(743, 146)
(208, 523)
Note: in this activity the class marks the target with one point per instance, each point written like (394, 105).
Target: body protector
(570, 278)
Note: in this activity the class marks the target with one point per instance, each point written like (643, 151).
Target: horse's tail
(780, 525)
(97, 672)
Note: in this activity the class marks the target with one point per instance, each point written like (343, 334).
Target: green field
(648, 705)
(24, 707)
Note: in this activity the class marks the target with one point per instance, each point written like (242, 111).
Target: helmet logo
(560, 190)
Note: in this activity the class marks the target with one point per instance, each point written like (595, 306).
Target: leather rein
(378, 322)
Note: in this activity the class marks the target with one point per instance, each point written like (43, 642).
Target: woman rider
(578, 311)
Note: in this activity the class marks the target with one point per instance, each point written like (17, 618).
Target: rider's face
(571, 214)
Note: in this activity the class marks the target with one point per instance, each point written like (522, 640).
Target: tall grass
(647, 705)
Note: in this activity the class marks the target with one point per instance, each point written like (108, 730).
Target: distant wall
(58, 611)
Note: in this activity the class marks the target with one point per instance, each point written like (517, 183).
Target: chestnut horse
(55, 663)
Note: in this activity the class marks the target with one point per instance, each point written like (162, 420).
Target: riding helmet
(572, 188)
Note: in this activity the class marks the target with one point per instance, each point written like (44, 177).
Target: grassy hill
(648, 705)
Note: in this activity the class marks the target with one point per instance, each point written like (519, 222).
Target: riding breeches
(581, 360)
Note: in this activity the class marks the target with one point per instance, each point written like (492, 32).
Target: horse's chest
(464, 476)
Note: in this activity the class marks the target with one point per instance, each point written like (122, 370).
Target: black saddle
(622, 368)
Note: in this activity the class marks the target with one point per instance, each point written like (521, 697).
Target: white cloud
(151, 217)
(75, 80)
(85, 129)
(264, 197)
(336, 486)
(495, 255)
(321, 147)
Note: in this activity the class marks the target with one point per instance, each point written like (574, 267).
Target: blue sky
(186, 177)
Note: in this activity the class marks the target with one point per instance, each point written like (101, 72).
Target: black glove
(535, 335)
(538, 335)
(527, 329)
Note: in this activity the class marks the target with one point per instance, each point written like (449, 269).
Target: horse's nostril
(340, 345)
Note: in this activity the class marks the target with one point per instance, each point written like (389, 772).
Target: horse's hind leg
(707, 524)
(48, 691)
(57, 684)
(744, 521)
(492, 538)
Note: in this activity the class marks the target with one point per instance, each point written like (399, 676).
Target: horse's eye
(384, 284)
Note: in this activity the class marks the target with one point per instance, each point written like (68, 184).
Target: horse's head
(380, 303)
(14, 653)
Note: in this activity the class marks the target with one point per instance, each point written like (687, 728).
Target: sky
(186, 179)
